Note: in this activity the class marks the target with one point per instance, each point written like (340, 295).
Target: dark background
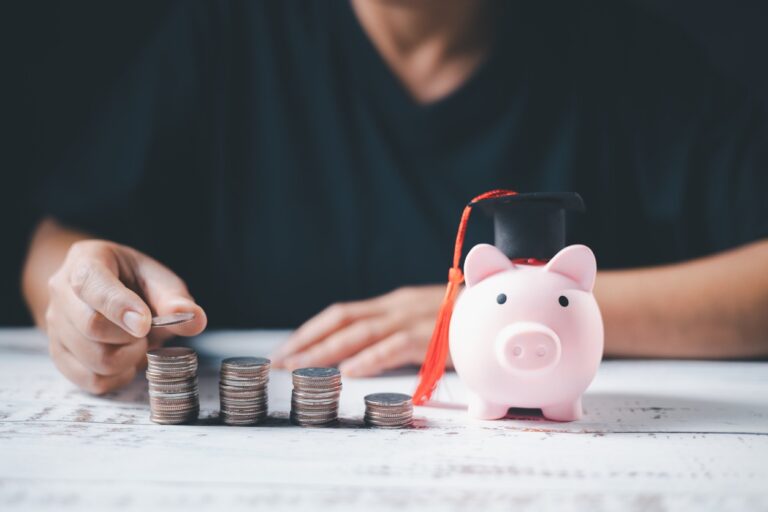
(59, 59)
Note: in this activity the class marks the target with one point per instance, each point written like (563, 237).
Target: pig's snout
(527, 347)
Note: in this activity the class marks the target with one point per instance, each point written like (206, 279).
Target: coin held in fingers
(172, 319)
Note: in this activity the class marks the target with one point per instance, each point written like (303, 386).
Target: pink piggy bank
(527, 336)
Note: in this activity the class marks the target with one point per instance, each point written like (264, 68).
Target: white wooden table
(656, 436)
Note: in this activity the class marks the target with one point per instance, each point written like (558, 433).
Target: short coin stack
(243, 390)
(173, 393)
(315, 397)
(388, 410)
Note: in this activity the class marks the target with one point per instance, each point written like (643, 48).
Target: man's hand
(101, 302)
(366, 337)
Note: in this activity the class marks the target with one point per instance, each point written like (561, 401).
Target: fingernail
(134, 322)
(348, 370)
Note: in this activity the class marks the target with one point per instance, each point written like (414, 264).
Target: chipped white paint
(656, 436)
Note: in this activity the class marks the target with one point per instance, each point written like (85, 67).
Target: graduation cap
(530, 226)
(528, 229)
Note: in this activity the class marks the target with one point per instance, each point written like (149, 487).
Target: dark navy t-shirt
(266, 153)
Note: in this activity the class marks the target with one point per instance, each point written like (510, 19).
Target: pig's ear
(483, 261)
(576, 262)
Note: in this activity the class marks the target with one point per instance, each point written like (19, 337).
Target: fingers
(344, 343)
(101, 358)
(392, 352)
(167, 294)
(191, 328)
(90, 323)
(76, 372)
(324, 324)
(105, 359)
(98, 286)
(97, 320)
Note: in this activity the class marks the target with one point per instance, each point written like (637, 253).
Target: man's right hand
(100, 307)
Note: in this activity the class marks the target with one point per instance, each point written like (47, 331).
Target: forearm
(47, 251)
(714, 307)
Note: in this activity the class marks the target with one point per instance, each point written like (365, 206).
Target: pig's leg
(567, 411)
(483, 410)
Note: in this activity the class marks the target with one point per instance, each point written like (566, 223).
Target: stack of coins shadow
(315, 397)
(243, 390)
(388, 410)
(173, 392)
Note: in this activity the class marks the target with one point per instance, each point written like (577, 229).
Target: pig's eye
(501, 298)
(563, 300)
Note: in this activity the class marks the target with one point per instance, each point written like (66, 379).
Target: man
(281, 156)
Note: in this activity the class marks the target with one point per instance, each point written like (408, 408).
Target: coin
(316, 373)
(172, 319)
(315, 396)
(388, 410)
(173, 390)
(243, 384)
(246, 362)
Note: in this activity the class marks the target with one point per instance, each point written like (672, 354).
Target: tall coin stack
(243, 390)
(388, 410)
(315, 397)
(173, 393)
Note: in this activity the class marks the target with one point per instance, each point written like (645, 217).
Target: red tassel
(437, 352)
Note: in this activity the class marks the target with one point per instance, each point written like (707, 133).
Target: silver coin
(388, 421)
(245, 362)
(243, 374)
(316, 373)
(243, 404)
(389, 414)
(243, 386)
(308, 409)
(173, 389)
(172, 373)
(240, 385)
(316, 395)
(388, 399)
(376, 425)
(389, 411)
(388, 417)
(169, 371)
(317, 386)
(243, 422)
(172, 368)
(171, 353)
(172, 319)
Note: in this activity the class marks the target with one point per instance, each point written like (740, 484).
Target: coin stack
(388, 410)
(243, 390)
(315, 397)
(173, 393)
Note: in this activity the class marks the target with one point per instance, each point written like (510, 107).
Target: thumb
(166, 294)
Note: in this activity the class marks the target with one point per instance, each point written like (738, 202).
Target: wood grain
(656, 436)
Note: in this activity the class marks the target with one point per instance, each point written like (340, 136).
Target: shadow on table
(603, 412)
(136, 394)
(281, 420)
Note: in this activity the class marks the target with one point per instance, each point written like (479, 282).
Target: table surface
(656, 435)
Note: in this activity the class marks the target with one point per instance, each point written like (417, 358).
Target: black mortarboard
(530, 225)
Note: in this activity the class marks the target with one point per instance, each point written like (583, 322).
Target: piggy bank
(527, 335)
